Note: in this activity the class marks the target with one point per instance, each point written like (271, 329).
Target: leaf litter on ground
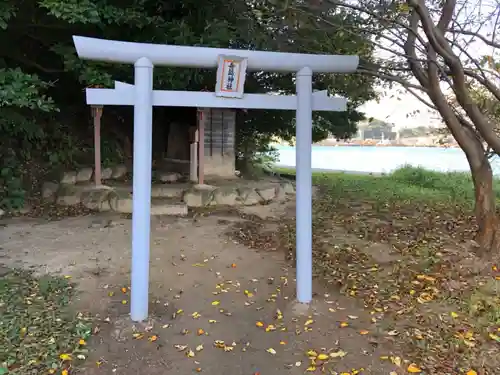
(436, 301)
(39, 333)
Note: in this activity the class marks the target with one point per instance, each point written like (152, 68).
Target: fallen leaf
(344, 324)
(308, 322)
(311, 369)
(338, 354)
(454, 314)
(200, 332)
(282, 342)
(363, 332)
(124, 290)
(195, 315)
(82, 342)
(413, 368)
(153, 338)
(259, 324)
(64, 372)
(271, 351)
(124, 302)
(65, 357)
(215, 303)
(190, 354)
(233, 265)
(471, 372)
(298, 364)
(323, 357)
(199, 348)
(180, 347)
(212, 321)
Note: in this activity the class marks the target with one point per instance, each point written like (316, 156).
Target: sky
(398, 112)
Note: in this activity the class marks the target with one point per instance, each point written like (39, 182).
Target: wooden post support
(96, 115)
(201, 146)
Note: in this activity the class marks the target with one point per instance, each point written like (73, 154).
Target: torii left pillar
(97, 115)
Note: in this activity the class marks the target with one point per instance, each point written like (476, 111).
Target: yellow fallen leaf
(259, 324)
(344, 324)
(190, 354)
(270, 328)
(363, 332)
(323, 357)
(65, 357)
(228, 348)
(338, 354)
(282, 342)
(248, 294)
(471, 372)
(124, 290)
(494, 337)
(212, 321)
(396, 361)
(82, 342)
(271, 351)
(215, 303)
(413, 368)
(311, 369)
(200, 332)
(312, 353)
(64, 372)
(425, 278)
(124, 302)
(308, 322)
(454, 314)
(180, 311)
(137, 336)
(153, 338)
(111, 294)
(196, 315)
(199, 348)
(393, 373)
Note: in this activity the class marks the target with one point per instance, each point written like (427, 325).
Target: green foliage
(37, 325)
(405, 185)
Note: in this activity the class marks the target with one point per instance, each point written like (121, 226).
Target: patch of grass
(39, 333)
(405, 185)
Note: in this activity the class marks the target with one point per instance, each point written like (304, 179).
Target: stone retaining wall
(173, 199)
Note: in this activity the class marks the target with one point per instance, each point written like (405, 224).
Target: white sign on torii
(142, 96)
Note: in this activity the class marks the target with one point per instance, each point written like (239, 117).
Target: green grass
(39, 333)
(405, 185)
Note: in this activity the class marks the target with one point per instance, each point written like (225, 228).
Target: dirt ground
(204, 287)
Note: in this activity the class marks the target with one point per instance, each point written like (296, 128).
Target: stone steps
(169, 199)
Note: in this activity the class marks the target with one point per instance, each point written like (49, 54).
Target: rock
(121, 201)
(69, 195)
(49, 190)
(162, 207)
(119, 171)
(249, 196)
(68, 178)
(287, 187)
(96, 199)
(169, 176)
(106, 173)
(198, 197)
(226, 197)
(267, 193)
(167, 191)
(280, 194)
(84, 175)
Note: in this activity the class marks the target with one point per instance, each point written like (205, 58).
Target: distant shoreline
(350, 144)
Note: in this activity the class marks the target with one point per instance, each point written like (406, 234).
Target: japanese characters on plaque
(231, 73)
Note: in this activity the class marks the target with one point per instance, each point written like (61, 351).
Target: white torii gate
(142, 96)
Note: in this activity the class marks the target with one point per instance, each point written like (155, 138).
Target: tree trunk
(488, 236)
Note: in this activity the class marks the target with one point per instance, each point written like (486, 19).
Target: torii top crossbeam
(170, 55)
